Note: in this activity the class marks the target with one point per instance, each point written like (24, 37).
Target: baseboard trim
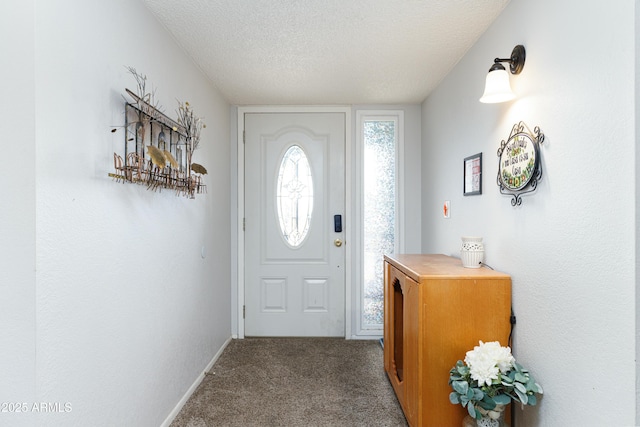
(176, 410)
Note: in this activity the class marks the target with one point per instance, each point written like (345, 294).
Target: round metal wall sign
(519, 168)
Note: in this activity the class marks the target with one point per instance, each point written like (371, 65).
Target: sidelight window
(380, 141)
(379, 191)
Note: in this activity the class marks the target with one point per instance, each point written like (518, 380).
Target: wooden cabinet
(435, 311)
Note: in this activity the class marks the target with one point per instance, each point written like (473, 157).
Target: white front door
(294, 256)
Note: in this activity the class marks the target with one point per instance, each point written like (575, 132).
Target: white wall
(17, 209)
(127, 312)
(637, 211)
(570, 248)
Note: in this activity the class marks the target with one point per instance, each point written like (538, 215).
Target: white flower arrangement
(490, 378)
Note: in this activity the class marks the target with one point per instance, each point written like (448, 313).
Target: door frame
(349, 203)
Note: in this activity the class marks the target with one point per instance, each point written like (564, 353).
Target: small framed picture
(472, 183)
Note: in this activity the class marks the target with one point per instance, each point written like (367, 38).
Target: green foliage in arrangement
(490, 377)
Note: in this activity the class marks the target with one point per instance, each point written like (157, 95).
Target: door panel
(294, 286)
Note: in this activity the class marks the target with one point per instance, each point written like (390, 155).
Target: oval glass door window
(294, 196)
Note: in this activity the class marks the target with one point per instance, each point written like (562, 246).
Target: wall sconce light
(497, 87)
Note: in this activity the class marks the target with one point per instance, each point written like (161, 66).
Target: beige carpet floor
(295, 382)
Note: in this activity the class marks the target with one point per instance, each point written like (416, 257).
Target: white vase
(493, 418)
(472, 252)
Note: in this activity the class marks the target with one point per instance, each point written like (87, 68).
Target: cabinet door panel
(393, 338)
(456, 317)
(413, 361)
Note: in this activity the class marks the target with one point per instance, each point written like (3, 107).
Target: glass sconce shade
(497, 87)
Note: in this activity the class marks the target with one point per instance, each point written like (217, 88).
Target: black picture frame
(472, 175)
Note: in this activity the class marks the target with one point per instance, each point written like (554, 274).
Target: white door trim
(349, 223)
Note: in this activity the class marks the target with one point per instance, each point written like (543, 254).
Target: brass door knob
(337, 242)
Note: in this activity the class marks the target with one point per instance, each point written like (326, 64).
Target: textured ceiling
(306, 52)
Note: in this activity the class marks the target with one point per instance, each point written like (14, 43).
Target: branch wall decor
(158, 150)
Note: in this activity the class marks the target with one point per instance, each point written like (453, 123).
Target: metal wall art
(167, 160)
(519, 168)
